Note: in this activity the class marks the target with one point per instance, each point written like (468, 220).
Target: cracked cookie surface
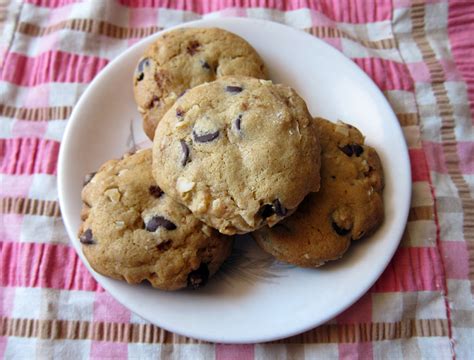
(183, 58)
(239, 152)
(348, 206)
(133, 231)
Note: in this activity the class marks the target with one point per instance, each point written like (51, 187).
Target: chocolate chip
(358, 150)
(347, 149)
(233, 89)
(279, 209)
(159, 221)
(185, 149)
(145, 62)
(180, 112)
(165, 245)
(350, 149)
(205, 137)
(184, 92)
(88, 178)
(266, 211)
(155, 100)
(155, 191)
(237, 122)
(192, 47)
(86, 238)
(340, 231)
(205, 65)
(198, 278)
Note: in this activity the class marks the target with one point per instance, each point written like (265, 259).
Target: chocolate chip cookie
(183, 58)
(239, 152)
(131, 230)
(348, 206)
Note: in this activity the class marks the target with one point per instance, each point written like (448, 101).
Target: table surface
(420, 54)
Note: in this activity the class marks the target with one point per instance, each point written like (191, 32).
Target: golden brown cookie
(132, 231)
(239, 152)
(183, 58)
(348, 206)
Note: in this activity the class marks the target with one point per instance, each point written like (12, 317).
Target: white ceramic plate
(253, 298)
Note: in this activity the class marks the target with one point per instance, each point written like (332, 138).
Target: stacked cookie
(232, 153)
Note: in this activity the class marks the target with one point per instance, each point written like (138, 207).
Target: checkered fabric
(420, 54)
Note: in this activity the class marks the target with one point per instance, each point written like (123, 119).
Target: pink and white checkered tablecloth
(420, 54)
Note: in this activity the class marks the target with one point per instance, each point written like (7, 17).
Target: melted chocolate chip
(145, 62)
(193, 47)
(159, 221)
(340, 231)
(155, 100)
(347, 149)
(155, 191)
(180, 112)
(198, 278)
(350, 149)
(205, 65)
(205, 137)
(86, 238)
(165, 245)
(185, 149)
(233, 89)
(184, 92)
(266, 211)
(238, 122)
(88, 178)
(358, 150)
(279, 209)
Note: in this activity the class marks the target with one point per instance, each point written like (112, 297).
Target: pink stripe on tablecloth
(29, 129)
(353, 11)
(37, 265)
(412, 269)
(7, 298)
(235, 352)
(15, 186)
(107, 309)
(28, 156)
(466, 156)
(360, 312)
(108, 350)
(10, 227)
(360, 350)
(456, 259)
(387, 74)
(437, 161)
(3, 345)
(460, 32)
(50, 66)
(435, 157)
(334, 42)
(52, 3)
(420, 72)
(143, 17)
(418, 164)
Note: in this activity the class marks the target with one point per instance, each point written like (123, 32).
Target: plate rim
(381, 101)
